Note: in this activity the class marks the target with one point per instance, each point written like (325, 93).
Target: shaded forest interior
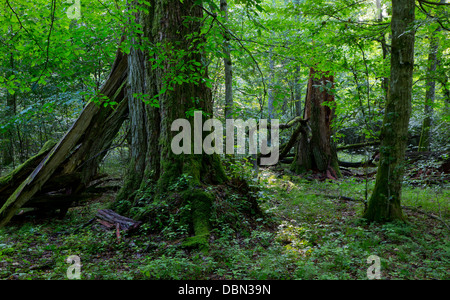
(355, 97)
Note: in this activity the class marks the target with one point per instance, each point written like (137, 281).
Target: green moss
(7, 178)
(384, 204)
(197, 241)
(219, 172)
(170, 171)
(192, 166)
(201, 203)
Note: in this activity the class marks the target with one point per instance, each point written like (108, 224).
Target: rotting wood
(112, 220)
(11, 181)
(358, 145)
(72, 150)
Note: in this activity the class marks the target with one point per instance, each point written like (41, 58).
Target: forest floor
(308, 232)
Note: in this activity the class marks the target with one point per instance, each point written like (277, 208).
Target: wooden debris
(112, 220)
(73, 162)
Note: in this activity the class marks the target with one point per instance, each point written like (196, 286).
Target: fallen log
(284, 149)
(80, 149)
(358, 145)
(301, 129)
(10, 182)
(417, 155)
(361, 164)
(112, 220)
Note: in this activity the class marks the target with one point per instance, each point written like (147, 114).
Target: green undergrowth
(303, 231)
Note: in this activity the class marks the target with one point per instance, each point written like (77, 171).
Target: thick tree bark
(316, 151)
(384, 204)
(136, 88)
(171, 25)
(198, 168)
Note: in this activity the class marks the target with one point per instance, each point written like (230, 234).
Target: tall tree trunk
(271, 95)
(384, 203)
(297, 93)
(271, 83)
(425, 137)
(198, 168)
(316, 151)
(174, 27)
(384, 49)
(139, 132)
(169, 14)
(227, 65)
(446, 91)
(7, 143)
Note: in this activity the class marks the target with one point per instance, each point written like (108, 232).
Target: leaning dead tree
(58, 175)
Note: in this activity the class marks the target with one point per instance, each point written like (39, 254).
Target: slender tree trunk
(270, 91)
(298, 94)
(7, 143)
(384, 203)
(384, 49)
(316, 151)
(227, 65)
(425, 137)
(446, 91)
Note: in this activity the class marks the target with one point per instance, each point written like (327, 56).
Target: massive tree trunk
(384, 204)
(144, 128)
(316, 151)
(173, 83)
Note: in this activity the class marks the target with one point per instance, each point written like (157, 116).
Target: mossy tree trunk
(316, 151)
(144, 133)
(384, 203)
(172, 64)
